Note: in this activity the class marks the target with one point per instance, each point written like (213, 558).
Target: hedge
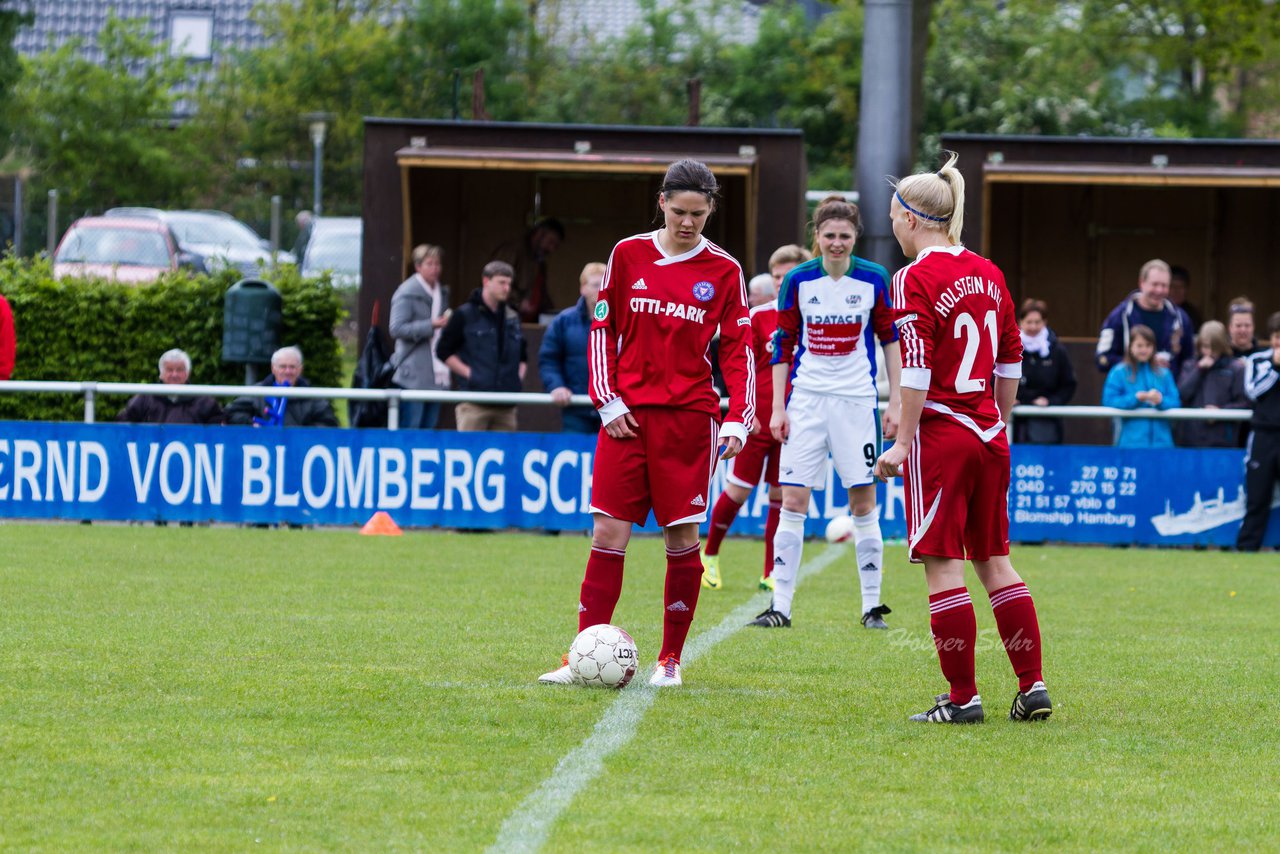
(90, 329)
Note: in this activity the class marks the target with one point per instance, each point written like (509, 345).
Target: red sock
(680, 599)
(955, 632)
(770, 528)
(1015, 613)
(722, 516)
(601, 587)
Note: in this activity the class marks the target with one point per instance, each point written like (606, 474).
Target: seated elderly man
(286, 371)
(175, 368)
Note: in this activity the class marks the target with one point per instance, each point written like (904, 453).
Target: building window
(191, 33)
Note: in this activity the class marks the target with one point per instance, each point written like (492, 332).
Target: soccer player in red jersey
(958, 329)
(664, 295)
(759, 456)
(831, 311)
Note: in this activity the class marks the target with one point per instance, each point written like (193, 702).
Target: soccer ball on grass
(840, 528)
(603, 656)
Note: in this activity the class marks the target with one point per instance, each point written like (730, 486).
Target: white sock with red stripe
(788, 548)
(869, 546)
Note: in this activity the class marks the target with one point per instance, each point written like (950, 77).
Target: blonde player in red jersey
(961, 362)
(664, 295)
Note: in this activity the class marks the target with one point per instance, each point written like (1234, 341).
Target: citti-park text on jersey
(645, 305)
(962, 288)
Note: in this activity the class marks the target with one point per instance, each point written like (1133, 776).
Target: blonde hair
(1153, 264)
(789, 254)
(424, 251)
(1214, 333)
(936, 198)
(595, 268)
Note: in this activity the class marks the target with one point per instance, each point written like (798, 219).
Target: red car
(119, 249)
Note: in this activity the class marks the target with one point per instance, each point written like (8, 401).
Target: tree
(1187, 63)
(10, 66)
(101, 132)
(336, 57)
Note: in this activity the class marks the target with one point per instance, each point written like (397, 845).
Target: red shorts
(957, 489)
(667, 468)
(758, 457)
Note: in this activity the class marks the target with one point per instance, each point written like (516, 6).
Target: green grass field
(227, 689)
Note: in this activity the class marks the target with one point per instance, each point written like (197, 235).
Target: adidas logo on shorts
(698, 502)
(678, 605)
(581, 607)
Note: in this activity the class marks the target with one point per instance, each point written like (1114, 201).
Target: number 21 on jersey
(968, 327)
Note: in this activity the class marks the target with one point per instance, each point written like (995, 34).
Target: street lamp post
(319, 124)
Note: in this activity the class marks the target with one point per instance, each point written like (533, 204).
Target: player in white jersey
(830, 312)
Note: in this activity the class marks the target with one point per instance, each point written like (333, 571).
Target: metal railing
(393, 397)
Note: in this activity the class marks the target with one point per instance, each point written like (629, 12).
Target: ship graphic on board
(1204, 515)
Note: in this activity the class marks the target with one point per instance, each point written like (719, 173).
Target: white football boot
(666, 674)
(562, 675)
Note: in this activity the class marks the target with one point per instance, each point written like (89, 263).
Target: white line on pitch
(526, 829)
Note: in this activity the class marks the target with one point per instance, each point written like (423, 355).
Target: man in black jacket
(286, 371)
(483, 344)
(1262, 460)
(175, 368)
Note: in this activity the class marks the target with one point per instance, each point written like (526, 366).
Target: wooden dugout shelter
(470, 187)
(1072, 219)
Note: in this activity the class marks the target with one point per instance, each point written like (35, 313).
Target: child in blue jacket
(1139, 383)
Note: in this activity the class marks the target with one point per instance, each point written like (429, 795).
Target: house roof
(60, 21)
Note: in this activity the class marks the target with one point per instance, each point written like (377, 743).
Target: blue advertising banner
(543, 481)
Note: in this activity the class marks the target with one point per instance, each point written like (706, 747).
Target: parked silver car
(335, 246)
(217, 239)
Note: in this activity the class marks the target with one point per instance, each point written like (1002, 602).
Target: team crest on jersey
(853, 300)
(704, 291)
(602, 310)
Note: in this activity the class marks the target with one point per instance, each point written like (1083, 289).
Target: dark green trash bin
(251, 322)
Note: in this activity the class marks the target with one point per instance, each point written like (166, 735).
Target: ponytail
(936, 198)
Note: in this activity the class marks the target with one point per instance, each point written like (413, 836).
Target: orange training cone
(381, 524)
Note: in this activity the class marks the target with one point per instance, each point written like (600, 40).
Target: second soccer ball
(840, 528)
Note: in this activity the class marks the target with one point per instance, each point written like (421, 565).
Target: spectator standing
(1262, 460)
(530, 289)
(1240, 327)
(175, 369)
(305, 221)
(483, 344)
(1047, 376)
(1139, 383)
(562, 358)
(1179, 289)
(267, 411)
(419, 310)
(1151, 307)
(1215, 380)
(8, 340)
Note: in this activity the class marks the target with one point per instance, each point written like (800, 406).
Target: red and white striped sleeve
(1009, 350)
(913, 315)
(602, 348)
(737, 360)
